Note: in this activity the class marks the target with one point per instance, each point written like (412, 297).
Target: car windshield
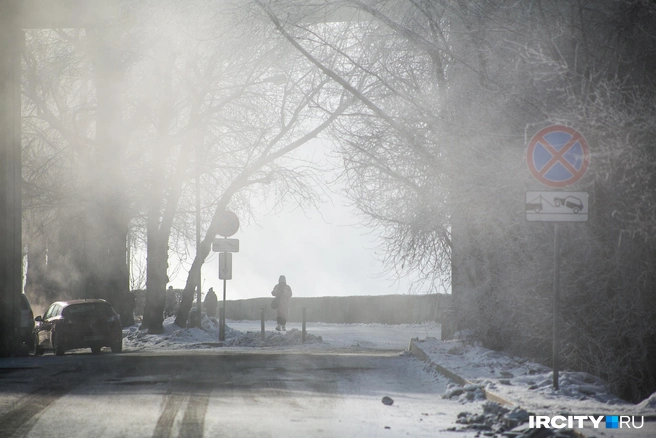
(87, 310)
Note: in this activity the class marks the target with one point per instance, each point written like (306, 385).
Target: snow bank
(174, 337)
(525, 383)
(648, 404)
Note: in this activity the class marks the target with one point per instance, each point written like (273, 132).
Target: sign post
(557, 156)
(556, 301)
(225, 273)
(228, 224)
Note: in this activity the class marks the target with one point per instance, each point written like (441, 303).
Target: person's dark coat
(210, 303)
(283, 291)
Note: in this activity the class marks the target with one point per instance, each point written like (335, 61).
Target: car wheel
(96, 349)
(576, 210)
(117, 347)
(59, 349)
(38, 351)
(557, 203)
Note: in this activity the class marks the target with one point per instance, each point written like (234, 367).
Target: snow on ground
(174, 337)
(528, 383)
(530, 386)
(248, 334)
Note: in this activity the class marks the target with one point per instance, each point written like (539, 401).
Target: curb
(419, 354)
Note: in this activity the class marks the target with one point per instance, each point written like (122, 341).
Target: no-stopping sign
(558, 156)
(227, 224)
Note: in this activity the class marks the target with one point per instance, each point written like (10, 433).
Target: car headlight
(114, 318)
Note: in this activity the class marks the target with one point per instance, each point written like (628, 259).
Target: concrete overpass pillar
(11, 43)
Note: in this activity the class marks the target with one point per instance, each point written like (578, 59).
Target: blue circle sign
(558, 156)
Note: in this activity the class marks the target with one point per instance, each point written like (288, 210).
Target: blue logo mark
(612, 421)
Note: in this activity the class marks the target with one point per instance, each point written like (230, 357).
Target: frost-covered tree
(125, 133)
(448, 94)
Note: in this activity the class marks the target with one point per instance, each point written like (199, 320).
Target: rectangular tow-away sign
(225, 245)
(556, 206)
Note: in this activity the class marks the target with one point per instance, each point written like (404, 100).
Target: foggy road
(212, 393)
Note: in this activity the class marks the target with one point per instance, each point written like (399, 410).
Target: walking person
(211, 300)
(283, 292)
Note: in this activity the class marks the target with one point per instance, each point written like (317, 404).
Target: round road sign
(227, 224)
(558, 156)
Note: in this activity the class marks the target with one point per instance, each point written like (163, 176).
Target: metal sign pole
(262, 325)
(223, 324)
(228, 224)
(556, 299)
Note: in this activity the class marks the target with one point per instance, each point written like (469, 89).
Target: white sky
(323, 253)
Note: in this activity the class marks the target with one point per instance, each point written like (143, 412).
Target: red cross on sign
(558, 156)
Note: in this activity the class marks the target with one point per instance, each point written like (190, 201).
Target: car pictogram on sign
(571, 202)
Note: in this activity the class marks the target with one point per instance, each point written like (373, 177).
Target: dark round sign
(227, 224)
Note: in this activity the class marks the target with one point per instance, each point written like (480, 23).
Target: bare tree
(448, 93)
(299, 122)
(73, 80)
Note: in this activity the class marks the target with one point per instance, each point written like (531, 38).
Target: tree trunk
(192, 280)
(106, 273)
(237, 184)
(159, 232)
(205, 246)
(156, 279)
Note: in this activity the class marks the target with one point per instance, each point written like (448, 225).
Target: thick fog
(137, 122)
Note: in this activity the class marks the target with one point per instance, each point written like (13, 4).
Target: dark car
(67, 325)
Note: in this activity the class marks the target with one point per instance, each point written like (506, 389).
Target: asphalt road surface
(217, 393)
